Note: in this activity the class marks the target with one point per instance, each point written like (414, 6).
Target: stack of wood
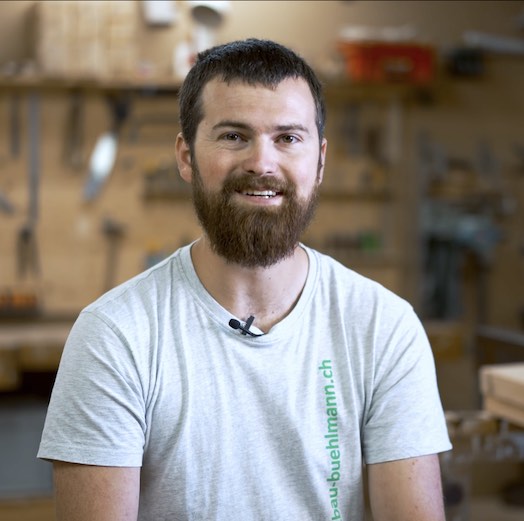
(502, 387)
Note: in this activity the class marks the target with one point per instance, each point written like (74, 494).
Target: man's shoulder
(344, 280)
(331, 268)
(143, 289)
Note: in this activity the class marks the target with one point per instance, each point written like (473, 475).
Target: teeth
(264, 193)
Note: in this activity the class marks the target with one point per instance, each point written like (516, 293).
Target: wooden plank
(30, 347)
(502, 386)
(37, 335)
(505, 382)
(504, 410)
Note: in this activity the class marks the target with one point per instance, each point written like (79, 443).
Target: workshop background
(423, 191)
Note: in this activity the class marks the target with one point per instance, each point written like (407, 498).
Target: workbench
(30, 347)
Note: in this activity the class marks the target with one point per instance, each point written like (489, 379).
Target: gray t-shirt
(227, 427)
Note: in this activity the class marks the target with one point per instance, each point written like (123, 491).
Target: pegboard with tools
(60, 239)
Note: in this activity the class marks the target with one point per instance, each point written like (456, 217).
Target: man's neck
(269, 294)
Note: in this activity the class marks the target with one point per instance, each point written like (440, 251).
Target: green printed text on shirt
(332, 435)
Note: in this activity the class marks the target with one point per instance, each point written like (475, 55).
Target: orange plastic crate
(378, 62)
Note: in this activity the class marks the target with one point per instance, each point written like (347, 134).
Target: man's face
(256, 167)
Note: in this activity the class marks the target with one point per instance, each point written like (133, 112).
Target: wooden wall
(73, 248)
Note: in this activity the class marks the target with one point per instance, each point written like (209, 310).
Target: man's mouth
(266, 194)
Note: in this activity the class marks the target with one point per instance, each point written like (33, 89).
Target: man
(247, 377)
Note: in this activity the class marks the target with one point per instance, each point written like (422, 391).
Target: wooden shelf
(339, 89)
(32, 82)
(344, 90)
(30, 347)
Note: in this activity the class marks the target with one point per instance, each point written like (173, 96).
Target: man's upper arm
(87, 492)
(405, 490)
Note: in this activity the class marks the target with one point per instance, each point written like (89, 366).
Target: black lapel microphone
(235, 324)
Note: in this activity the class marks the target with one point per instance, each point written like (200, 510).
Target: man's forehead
(219, 82)
(218, 92)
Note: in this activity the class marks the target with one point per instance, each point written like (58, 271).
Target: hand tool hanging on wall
(104, 154)
(5, 205)
(14, 125)
(113, 231)
(74, 135)
(27, 250)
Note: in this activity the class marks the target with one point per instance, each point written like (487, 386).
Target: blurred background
(423, 191)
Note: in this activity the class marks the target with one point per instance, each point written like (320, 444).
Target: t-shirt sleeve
(404, 418)
(96, 414)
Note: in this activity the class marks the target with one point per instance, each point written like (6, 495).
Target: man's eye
(289, 139)
(231, 136)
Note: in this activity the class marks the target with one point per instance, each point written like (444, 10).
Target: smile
(261, 193)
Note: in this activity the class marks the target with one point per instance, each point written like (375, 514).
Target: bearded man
(247, 376)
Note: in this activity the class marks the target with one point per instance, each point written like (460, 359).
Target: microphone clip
(235, 324)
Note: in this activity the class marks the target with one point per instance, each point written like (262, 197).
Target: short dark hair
(253, 61)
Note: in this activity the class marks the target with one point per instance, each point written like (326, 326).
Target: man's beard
(252, 236)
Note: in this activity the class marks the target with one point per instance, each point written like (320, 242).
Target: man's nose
(260, 158)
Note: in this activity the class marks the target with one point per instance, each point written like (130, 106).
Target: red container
(379, 62)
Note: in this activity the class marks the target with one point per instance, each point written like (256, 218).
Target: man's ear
(322, 161)
(183, 158)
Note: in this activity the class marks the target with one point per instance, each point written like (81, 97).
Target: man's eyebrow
(293, 127)
(229, 123)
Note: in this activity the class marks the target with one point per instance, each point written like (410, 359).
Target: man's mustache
(249, 182)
